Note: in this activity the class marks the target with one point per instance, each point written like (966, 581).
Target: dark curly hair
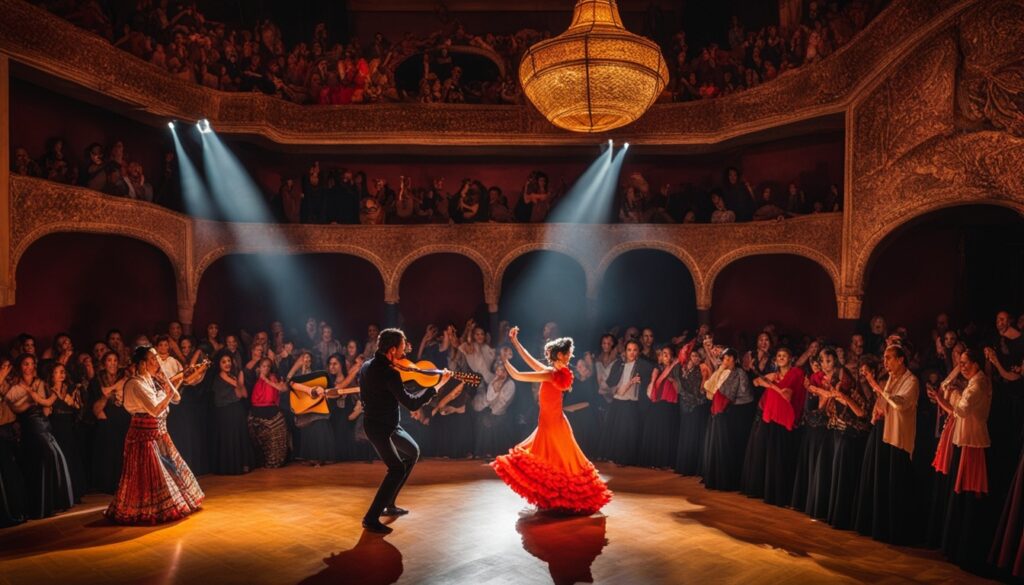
(557, 346)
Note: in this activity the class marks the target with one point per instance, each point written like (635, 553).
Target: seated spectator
(767, 208)
(721, 214)
(24, 165)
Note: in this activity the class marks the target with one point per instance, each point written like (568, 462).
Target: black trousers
(399, 452)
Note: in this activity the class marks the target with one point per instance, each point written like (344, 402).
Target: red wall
(441, 289)
(792, 292)
(87, 284)
(38, 114)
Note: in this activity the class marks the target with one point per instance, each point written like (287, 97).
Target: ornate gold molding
(193, 245)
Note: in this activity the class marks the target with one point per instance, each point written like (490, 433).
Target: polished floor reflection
(301, 525)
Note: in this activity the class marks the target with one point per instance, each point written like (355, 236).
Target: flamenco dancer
(548, 468)
(156, 485)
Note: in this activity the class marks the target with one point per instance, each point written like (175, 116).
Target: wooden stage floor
(301, 525)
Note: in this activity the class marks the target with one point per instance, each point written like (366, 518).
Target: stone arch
(704, 296)
(862, 260)
(689, 261)
(177, 258)
(512, 255)
(221, 251)
(391, 284)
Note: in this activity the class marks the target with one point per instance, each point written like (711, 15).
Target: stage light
(204, 126)
(611, 143)
(170, 125)
(626, 145)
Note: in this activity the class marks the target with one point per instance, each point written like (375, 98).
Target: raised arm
(545, 375)
(531, 361)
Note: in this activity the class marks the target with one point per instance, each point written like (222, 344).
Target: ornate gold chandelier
(595, 76)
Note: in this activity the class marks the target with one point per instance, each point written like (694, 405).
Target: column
(6, 269)
(391, 314)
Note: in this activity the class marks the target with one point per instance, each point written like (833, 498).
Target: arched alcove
(792, 292)
(966, 261)
(87, 283)
(441, 289)
(542, 286)
(647, 288)
(251, 290)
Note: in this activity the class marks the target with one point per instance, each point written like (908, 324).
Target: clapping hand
(513, 333)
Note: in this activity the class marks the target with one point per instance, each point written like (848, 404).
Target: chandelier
(595, 76)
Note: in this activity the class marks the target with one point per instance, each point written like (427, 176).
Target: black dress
(621, 438)
(187, 424)
(752, 475)
(728, 432)
(12, 484)
(660, 437)
(849, 437)
(232, 451)
(872, 480)
(63, 421)
(970, 519)
(108, 440)
(347, 443)
(810, 488)
(47, 479)
(452, 435)
(694, 409)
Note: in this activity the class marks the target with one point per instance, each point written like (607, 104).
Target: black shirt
(381, 390)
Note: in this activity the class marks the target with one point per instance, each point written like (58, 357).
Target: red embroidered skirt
(156, 485)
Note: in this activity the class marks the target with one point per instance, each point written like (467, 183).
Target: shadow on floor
(372, 561)
(569, 545)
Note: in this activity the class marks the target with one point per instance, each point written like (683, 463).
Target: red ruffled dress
(548, 468)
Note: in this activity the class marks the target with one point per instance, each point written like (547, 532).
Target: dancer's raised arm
(531, 361)
(545, 375)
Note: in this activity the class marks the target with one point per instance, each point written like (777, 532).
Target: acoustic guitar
(426, 375)
(303, 403)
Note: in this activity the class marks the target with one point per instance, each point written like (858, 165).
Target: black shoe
(376, 527)
(394, 511)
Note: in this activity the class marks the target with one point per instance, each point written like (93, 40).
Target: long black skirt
(187, 424)
(233, 453)
(970, 520)
(493, 435)
(585, 428)
(875, 461)
(47, 478)
(889, 483)
(752, 474)
(812, 441)
(63, 426)
(780, 464)
(12, 484)
(820, 486)
(847, 460)
(1007, 552)
(452, 435)
(660, 437)
(723, 449)
(108, 448)
(938, 505)
(621, 437)
(315, 440)
(344, 431)
(692, 426)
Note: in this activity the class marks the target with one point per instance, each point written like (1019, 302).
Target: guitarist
(381, 391)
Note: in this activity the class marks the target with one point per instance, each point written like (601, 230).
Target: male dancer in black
(381, 391)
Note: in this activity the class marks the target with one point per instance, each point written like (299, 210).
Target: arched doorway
(86, 284)
(249, 291)
(647, 288)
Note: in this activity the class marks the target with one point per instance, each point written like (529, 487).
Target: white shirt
(971, 409)
(170, 365)
(900, 395)
(141, 396)
(628, 390)
(480, 359)
(497, 397)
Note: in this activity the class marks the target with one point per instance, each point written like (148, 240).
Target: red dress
(548, 468)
